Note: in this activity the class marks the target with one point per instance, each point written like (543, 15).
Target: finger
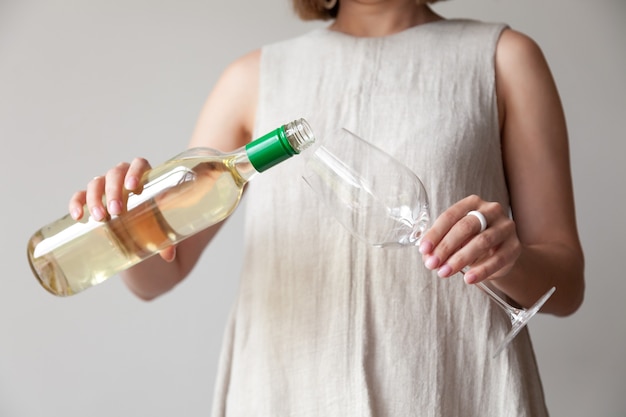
(442, 225)
(168, 254)
(478, 247)
(132, 181)
(454, 228)
(482, 220)
(454, 244)
(76, 204)
(95, 191)
(499, 263)
(114, 188)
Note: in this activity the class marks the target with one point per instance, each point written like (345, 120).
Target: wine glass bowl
(379, 206)
(383, 203)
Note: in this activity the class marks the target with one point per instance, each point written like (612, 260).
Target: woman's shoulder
(523, 78)
(226, 121)
(519, 59)
(515, 45)
(243, 67)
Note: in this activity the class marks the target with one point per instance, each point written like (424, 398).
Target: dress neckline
(422, 26)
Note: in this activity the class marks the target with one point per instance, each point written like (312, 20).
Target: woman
(326, 326)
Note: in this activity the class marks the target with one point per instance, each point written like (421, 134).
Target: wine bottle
(187, 194)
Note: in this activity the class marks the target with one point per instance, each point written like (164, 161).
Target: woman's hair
(316, 10)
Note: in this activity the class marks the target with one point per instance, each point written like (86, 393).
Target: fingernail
(425, 247)
(444, 271)
(432, 262)
(469, 278)
(75, 213)
(97, 213)
(115, 207)
(131, 183)
(172, 255)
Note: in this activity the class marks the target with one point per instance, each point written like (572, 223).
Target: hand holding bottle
(134, 211)
(107, 195)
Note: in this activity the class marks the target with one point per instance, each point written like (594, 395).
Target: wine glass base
(521, 319)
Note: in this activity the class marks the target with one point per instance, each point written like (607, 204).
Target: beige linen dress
(324, 325)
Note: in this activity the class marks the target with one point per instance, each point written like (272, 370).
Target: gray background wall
(86, 84)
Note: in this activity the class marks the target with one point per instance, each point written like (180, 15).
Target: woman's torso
(323, 324)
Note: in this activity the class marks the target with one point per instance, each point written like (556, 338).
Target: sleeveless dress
(324, 325)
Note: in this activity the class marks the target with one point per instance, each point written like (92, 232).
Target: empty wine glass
(383, 203)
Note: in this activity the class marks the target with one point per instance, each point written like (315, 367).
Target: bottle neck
(279, 145)
(244, 167)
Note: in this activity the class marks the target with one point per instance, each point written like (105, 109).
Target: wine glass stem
(514, 313)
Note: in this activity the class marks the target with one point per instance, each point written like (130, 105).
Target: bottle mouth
(299, 135)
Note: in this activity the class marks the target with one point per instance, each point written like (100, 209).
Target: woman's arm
(536, 160)
(225, 123)
(538, 248)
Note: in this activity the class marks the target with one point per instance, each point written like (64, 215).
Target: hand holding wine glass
(473, 236)
(383, 203)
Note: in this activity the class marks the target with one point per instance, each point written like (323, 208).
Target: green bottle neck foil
(280, 144)
(269, 150)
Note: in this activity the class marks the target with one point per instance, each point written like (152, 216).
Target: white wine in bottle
(181, 197)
